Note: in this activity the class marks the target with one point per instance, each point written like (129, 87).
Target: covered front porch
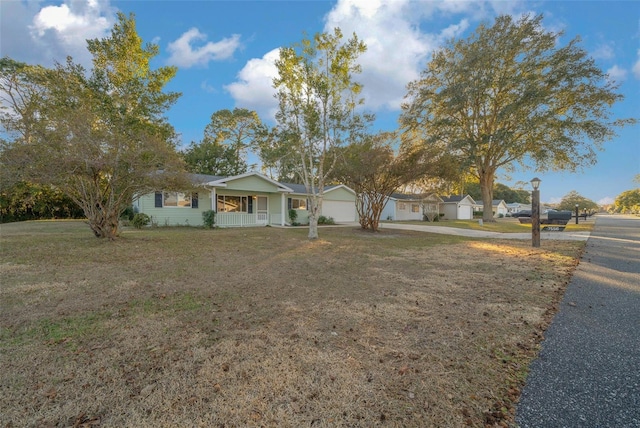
(249, 200)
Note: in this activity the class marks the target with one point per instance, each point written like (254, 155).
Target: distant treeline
(25, 201)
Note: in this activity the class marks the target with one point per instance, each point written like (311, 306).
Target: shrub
(325, 220)
(128, 213)
(209, 219)
(293, 216)
(140, 220)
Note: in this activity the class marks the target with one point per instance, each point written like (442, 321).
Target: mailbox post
(535, 212)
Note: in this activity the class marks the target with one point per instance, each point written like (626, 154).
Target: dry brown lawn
(262, 328)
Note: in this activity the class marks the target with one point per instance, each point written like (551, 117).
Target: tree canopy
(101, 136)
(372, 169)
(628, 202)
(227, 139)
(317, 99)
(573, 198)
(500, 192)
(512, 94)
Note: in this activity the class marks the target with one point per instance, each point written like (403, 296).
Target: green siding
(340, 194)
(174, 216)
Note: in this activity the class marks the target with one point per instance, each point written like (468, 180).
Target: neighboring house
(401, 206)
(457, 207)
(499, 208)
(516, 207)
(250, 199)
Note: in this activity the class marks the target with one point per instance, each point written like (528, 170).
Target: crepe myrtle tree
(317, 99)
(512, 94)
(375, 170)
(100, 137)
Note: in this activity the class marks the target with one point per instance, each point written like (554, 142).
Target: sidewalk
(587, 374)
(566, 236)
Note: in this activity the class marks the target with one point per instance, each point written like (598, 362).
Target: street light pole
(577, 213)
(535, 213)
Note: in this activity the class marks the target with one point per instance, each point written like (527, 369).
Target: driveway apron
(588, 371)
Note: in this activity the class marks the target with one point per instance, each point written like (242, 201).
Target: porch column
(213, 199)
(282, 205)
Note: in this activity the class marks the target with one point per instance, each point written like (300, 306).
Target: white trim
(340, 186)
(283, 205)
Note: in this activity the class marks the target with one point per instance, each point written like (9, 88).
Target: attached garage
(340, 211)
(339, 203)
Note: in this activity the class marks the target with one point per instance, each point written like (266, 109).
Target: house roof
(415, 197)
(221, 181)
(406, 197)
(495, 202)
(204, 178)
(302, 190)
(457, 198)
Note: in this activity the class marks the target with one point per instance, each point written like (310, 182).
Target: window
(176, 199)
(233, 204)
(415, 208)
(297, 204)
(401, 206)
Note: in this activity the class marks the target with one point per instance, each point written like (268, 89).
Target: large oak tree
(512, 94)
(100, 136)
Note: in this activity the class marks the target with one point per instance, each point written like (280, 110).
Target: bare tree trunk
(314, 212)
(486, 187)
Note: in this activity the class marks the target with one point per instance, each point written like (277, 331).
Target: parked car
(523, 213)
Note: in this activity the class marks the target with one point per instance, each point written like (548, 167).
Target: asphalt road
(588, 371)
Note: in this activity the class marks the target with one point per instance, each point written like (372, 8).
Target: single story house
(250, 199)
(401, 206)
(499, 207)
(457, 207)
(517, 207)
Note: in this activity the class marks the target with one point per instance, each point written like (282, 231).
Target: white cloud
(63, 30)
(207, 87)
(253, 89)
(184, 53)
(400, 36)
(397, 47)
(617, 74)
(607, 200)
(636, 67)
(604, 51)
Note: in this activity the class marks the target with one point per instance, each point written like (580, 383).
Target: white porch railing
(247, 220)
(236, 220)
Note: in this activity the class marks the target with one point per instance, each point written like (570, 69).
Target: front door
(263, 210)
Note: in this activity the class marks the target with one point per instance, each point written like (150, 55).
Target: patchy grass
(503, 225)
(261, 327)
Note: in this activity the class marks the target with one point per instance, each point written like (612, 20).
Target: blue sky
(225, 51)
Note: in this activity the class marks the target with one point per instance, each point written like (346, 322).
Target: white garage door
(340, 211)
